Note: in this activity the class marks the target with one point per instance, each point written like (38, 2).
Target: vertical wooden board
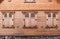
(41, 18)
(58, 19)
(0, 19)
(33, 22)
(19, 19)
(27, 22)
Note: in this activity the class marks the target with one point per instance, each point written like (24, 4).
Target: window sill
(49, 27)
(29, 2)
(8, 27)
(35, 27)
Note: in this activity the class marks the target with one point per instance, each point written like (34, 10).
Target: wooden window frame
(8, 26)
(27, 15)
(50, 27)
(35, 27)
(33, 15)
(54, 15)
(49, 15)
(5, 15)
(10, 13)
(25, 12)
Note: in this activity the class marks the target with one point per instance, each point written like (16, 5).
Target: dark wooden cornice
(58, 1)
(1, 1)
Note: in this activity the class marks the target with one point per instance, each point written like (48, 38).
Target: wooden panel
(0, 19)
(41, 18)
(19, 19)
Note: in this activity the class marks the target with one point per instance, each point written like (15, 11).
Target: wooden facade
(21, 17)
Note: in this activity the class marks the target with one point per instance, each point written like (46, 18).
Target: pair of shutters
(30, 20)
(8, 19)
(51, 19)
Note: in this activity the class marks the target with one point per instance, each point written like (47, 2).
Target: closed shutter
(27, 22)
(8, 19)
(33, 22)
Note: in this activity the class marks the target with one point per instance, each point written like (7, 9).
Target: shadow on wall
(1, 1)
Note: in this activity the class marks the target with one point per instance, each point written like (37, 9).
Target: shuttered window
(27, 15)
(8, 20)
(30, 20)
(32, 15)
(49, 15)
